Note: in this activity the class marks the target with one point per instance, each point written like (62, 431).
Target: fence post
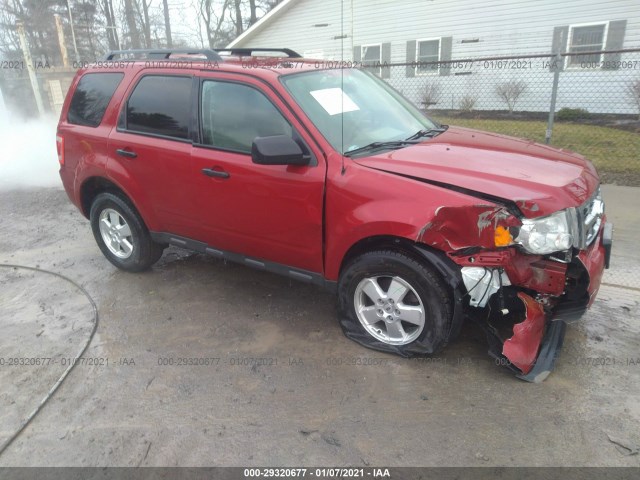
(554, 96)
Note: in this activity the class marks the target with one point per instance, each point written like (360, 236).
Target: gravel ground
(283, 386)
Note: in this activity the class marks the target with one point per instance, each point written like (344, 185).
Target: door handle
(210, 172)
(126, 153)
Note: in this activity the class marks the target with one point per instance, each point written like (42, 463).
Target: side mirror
(277, 150)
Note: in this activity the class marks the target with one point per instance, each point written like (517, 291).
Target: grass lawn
(615, 153)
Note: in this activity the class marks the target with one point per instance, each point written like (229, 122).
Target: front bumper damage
(523, 302)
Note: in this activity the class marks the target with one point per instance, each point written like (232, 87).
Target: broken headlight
(546, 234)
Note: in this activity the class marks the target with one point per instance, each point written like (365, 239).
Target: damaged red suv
(330, 176)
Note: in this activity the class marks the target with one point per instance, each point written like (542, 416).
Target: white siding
(503, 27)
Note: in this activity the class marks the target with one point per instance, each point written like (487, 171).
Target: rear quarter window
(91, 98)
(160, 105)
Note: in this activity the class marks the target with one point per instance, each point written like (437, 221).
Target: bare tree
(9, 44)
(167, 22)
(142, 10)
(253, 17)
(431, 94)
(214, 23)
(37, 17)
(633, 92)
(468, 103)
(510, 92)
(130, 18)
(238, 17)
(110, 27)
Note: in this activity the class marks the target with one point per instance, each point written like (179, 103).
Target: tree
(110, 27)
(37, 18)
(217, 33)
(144, 20)
(510, 92)
(253, 17)
(431, 94)
(167, 22)
(238, 18)
(633, 92)
(132, 27)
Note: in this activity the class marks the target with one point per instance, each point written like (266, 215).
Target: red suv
(330, 176)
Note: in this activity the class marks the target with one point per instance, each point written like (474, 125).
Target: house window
(586, 38)
(371, 57)
(427, 56)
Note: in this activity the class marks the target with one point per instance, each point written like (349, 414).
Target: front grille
(588, 219)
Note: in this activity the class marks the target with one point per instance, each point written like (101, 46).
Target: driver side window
(233, 115)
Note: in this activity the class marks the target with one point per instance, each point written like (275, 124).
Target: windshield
(353, 108)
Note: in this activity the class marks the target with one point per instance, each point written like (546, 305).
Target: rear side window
(92, 95)
(160, 105)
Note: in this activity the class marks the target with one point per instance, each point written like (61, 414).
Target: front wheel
(391, 302)
(121, 234)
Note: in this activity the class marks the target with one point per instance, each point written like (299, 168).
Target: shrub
(431, 94)
(510, 92)
(468, 103)
(633, 92)
(572, 114)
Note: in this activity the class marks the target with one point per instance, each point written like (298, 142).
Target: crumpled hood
(538, 178)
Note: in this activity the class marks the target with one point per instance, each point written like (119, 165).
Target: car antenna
(342, 84)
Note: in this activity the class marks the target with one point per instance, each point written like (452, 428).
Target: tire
(121, 233)
(405, 287)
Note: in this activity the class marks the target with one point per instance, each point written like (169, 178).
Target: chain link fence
(594, 97)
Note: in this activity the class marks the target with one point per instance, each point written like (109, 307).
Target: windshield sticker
(334, 101)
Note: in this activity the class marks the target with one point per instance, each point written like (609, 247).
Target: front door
(271, 212)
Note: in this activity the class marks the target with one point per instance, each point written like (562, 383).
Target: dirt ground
(283, 386)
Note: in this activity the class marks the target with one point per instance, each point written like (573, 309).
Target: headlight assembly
(546, 234)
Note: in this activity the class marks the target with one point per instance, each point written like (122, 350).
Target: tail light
(60, 148)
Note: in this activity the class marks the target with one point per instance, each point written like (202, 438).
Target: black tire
(427, 286)
(145, 252)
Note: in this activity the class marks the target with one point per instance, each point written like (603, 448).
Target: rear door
(272, 212)
(150, 150)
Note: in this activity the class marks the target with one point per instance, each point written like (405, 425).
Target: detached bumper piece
(531, 352)
(549, 352)
(522, 348)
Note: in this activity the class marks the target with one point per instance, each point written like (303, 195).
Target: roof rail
(248, 51)
(163, 53)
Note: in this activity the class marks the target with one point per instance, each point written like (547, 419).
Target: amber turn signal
(502, 237)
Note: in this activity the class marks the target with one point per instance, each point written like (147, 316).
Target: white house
(422, 31)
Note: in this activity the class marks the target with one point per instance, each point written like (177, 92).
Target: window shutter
(357, 53)
(411, 58)
(385, 57)
(446, 45)
(615, 40)
(559, 45)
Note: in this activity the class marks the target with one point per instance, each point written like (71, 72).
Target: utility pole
(29, 62)
(73, 33)
(63, 47)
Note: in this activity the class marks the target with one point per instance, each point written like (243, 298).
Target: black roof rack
(164, 54)
(248, 52)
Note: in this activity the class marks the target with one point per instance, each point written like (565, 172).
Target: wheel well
(436, 259)
(92, 187)
(382, 242)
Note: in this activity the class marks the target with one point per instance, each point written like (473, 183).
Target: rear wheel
(121, 234)
(392, 302)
